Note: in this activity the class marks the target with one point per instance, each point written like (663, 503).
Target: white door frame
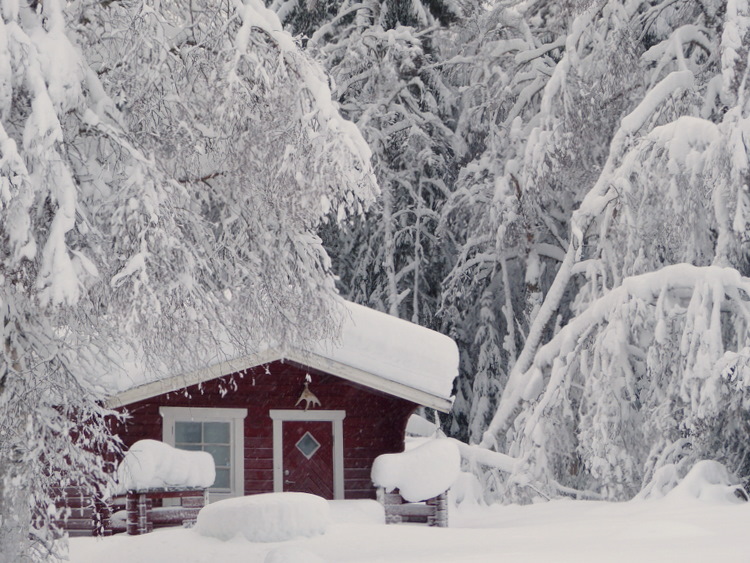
(335, 417)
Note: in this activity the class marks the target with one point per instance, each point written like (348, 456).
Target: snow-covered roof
(374, 349)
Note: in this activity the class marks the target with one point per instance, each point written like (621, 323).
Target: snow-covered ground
(669, 529)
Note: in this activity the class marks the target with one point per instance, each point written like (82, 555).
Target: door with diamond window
(308, 457)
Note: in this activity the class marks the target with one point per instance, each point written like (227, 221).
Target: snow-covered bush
(268, 517)
(707, 480)
(150, 464)
(421, 473)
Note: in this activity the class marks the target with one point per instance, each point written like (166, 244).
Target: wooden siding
(375, 422)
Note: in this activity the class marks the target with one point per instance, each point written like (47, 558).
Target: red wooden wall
(375, 422)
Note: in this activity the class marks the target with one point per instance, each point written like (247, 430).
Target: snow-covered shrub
(421, 473)
(152, 464)
(268, 517)
(709, 481)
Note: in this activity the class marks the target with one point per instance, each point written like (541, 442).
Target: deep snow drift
(670, 529)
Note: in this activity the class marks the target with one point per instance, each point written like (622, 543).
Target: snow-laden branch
(475, 454)
(591, 208)
(663, 353)
(646, 287)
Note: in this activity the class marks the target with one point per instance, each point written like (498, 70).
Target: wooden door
(308, 457)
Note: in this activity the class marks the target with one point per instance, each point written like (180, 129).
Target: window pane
(308, 445)
(220, 453)
(216, 432)
(187, 432)
(189, 447)
(222, 479)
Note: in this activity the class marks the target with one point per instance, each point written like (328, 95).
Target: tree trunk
(14, 513)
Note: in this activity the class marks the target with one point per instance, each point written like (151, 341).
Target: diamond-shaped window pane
(308, 445)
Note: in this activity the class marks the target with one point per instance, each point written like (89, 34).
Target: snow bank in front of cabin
(268, 517)
(150, 464)
(420, 473)
(394, 349)
(559, 531)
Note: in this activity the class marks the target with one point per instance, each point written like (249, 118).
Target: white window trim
(336, 417)
(236, 417)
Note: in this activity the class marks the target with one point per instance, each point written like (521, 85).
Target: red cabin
(308, 420)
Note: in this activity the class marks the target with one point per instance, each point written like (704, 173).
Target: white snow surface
(269, 517)
(362, 511)
(150, 464)
(681, 530)
(286, 554)
(420, 473)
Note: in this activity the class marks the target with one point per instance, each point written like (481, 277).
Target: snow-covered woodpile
(413, 485)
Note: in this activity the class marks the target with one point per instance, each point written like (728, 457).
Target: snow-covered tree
(381, 56)
(671, 189)
(151, 196)
(242, 122)
(509, 232)
(651, 374)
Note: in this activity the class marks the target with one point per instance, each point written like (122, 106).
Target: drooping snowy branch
(628, 378)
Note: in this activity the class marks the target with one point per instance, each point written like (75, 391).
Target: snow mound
(420, 473)
(709, 481)
(268, 517)
(287, 554)
(150, 464)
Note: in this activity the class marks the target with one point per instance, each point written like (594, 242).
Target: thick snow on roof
(394, 349)
(401, 356)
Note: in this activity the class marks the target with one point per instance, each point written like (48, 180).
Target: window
(216, 431)
(211, 437)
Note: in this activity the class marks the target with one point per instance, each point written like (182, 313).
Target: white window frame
(236, 419)
(335, 417)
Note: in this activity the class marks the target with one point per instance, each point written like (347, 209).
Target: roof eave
(310, 359)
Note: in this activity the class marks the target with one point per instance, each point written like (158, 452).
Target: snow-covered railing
(150, 464)
(153, 471)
